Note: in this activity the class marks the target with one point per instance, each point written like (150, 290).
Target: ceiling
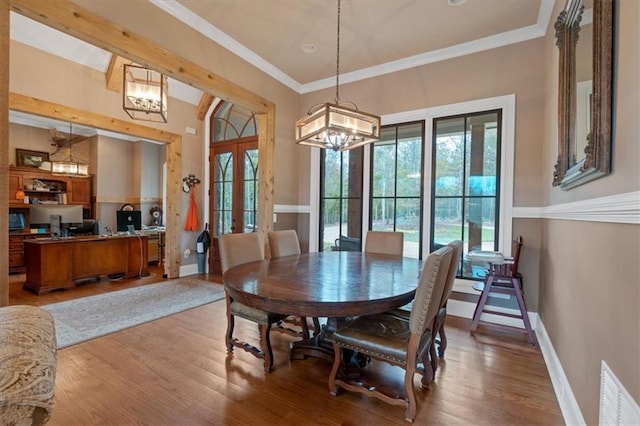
(294, 41)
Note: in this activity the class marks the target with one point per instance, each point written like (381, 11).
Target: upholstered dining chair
(396, 340)
(439, 335)
(384, 242)
(286, 243)
(504, 278)
(237, 249)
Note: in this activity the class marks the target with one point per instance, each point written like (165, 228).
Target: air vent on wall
(617, 407)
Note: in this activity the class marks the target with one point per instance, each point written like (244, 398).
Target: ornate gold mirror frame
(570, 170)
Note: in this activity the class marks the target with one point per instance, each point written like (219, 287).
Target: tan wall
(590, 276)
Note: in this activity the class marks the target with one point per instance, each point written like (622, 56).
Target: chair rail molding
(619, 208)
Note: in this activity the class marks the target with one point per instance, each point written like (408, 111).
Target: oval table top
(325, 284)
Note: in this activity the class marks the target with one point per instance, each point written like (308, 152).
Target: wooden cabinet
(79, 191)
(55, 190)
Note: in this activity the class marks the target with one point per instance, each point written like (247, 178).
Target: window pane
(330, 226)
(447, 222)
(382, 214)
(352, 173)
(223, 193)
(352, 218)
(449, 157)
(481, 162)
(480, 224)
(384, 169)
(332, 176)
(409, 222)
(409, 160)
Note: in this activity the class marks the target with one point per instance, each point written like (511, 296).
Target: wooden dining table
(336, 285)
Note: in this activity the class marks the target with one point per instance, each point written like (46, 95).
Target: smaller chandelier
(334, 125)
(69, 166)
(145, 94)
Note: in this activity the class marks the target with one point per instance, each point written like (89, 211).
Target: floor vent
(617, 407)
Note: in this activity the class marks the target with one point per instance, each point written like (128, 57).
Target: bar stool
(503, 277)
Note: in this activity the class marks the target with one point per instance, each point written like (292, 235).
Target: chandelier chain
(337, 100)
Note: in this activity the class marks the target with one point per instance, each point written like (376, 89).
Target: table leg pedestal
(321, 346)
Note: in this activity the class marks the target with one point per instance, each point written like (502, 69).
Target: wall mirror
(584, 36)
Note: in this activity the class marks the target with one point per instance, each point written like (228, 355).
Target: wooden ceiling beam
(78, 22)
(203, 106)
(27, 104)
(114, 75)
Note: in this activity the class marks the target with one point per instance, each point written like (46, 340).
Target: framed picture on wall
(25, 157)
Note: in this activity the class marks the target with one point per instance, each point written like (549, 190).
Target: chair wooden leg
(337, 360)
(427, 370)
(442, 346)
(316, 326)
(265, 346)
(305, 328)
(410, 414)
(230, 326)
(481, 302)
(433, 359)
(523, 311)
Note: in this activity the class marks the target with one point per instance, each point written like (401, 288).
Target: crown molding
(186, 16)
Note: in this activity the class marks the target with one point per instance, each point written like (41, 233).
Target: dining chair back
(395, 339)
(504, 278)
(238, 249)
(384, 242)
(283, 243)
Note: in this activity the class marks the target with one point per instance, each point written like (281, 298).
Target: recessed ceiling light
(455, 2)
(309, 48)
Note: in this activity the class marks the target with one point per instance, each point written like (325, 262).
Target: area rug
(94, 316)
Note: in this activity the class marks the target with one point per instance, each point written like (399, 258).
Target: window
(396, 184)
(341, 200)
(465, 180)
(483, 195)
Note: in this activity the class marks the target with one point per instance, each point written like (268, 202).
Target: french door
(233, 190)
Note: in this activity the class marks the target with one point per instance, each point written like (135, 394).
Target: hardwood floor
(175, 371)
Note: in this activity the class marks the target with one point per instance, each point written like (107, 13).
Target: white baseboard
(567, 401)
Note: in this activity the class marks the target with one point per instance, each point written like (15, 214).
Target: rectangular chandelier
(334, 126)
(145, 94)
(69, 168)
